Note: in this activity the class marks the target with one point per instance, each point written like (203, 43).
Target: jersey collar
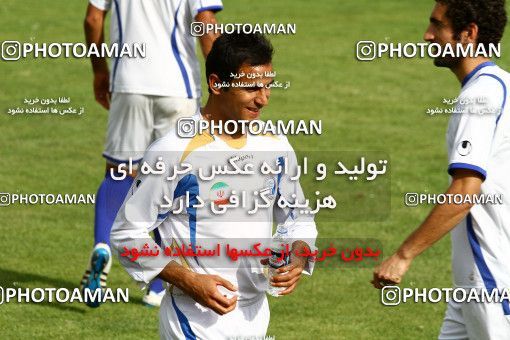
(478, 68)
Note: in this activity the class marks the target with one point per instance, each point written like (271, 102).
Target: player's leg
(453, 327)
(109, 198)
(168, 110)
(486, 320)
(128, 134)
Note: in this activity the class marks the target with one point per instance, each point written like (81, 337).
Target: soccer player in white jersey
(147, 96)
(478, 140)
(193, 307)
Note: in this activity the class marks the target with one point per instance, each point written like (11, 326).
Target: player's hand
(102, 88)
(204, 290)
(390, 271)
(288, 276)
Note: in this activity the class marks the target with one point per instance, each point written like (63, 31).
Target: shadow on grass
(16, 279)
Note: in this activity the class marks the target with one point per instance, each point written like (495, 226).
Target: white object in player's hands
(227, 293)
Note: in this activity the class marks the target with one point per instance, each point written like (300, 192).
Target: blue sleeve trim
(210, 8)
(454, 166)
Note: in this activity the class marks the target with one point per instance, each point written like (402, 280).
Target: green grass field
(365, 106)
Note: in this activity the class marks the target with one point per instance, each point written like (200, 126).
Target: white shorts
(136, 120)
(180, 317)
(475, 321)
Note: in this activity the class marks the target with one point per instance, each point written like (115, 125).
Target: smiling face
(245, 103)
(440, 31)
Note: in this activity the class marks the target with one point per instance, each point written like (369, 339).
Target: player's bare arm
(201, 287)
(206, 40)
(440, 221)
(94, 34)
(292, 271)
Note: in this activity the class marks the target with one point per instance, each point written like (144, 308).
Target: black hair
(488, 15)
(230, 51)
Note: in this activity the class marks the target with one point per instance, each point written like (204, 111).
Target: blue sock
(156, 284)
(110, 196)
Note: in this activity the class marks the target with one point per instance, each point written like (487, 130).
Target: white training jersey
(142, 210)
(170, 67)
(478, 139)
